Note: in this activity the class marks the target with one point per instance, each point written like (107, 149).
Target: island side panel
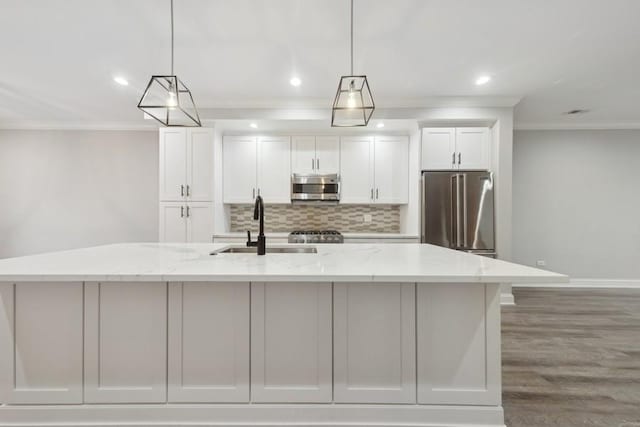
(208, 342)
(458, 334)
(125, 342)
(374, 339)
(41, 342)
(291, 347)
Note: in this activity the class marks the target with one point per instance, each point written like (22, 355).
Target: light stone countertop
(402, 262)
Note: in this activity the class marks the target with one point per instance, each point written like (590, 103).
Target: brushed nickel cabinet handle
(312, 164)
(459, 157)
(372, 194)
(182, 190)
(377, 194)
(188, 214)
(181, 211)
(254, 194)
(188, 190)
(453, 158)
(318, 164)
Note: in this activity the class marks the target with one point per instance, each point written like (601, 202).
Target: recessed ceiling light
(295, 81)
(483, 80)
(380, 125)
(121, 81)
(253, 125)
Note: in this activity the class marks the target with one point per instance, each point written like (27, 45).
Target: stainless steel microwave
(315, 188)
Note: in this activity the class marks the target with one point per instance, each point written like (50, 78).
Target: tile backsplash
(344, 218)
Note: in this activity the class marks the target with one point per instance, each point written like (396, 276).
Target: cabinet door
(239, 159)
(473, 147)
(391, 168)
(356, 170)
(41, 343)
(458, 344)
(274, 169)
(173, 164)
(125, 344)
(291, 342)
(327, 154)
(200, 164)
(374, 339)
(199, 222)
(173, 224)
(438, 149)
(303, 154)
(208, 342)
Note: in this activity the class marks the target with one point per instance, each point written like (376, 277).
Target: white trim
(245, 415)
(507, 299)
(586, 283)
(576, 126)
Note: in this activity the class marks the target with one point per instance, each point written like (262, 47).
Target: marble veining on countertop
(401, 262)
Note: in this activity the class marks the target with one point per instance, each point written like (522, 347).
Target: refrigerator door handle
(455, 209)
(463, 180)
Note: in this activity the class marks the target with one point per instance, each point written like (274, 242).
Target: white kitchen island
(167, 334)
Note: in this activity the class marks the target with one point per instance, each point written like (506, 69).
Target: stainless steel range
(316, 236)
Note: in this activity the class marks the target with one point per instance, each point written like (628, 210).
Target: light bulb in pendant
(172, 101)
(351, 100)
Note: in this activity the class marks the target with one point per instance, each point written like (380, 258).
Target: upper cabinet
(374, 170)
(256, 166)
(456, 148)
(315, 155)
(186, 164)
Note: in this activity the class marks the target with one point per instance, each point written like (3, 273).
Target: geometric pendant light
(168, 100)
(353, 104)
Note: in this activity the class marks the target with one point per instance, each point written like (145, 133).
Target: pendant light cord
(172, 37)
(351, 37)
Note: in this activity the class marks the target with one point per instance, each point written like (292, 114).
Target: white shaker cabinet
(125, 342)
(41, 343)
(240, 173)
(256, 166)
(186, 222)
(374, 343)
(291, 348)
(356, 170)
(274, 169)
(374, 170)
(452, 371)
(456, 148)
(391, 169)
(315, 155)
(208, 342)
(186, 164)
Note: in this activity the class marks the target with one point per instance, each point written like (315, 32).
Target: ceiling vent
(576, 111)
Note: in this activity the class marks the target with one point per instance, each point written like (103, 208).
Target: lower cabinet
(41, 343)
(208, 342)
(458, 344)
(374, 343)
(291, 342)
(182, 222)
(125, 344)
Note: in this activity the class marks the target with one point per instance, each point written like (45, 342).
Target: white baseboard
(507, 299)
(587, 283)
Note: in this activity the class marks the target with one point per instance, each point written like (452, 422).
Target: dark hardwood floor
(571, 357)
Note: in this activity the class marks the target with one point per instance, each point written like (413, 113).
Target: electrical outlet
(367, 218)
(541, 263)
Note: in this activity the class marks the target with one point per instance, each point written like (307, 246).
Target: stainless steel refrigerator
(458, 212)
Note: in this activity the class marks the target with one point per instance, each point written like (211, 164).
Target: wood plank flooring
(571, 357)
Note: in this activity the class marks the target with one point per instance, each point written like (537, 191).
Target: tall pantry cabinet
(186, 185)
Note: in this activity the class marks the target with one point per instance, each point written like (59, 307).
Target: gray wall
(69, 189)
(576, 202)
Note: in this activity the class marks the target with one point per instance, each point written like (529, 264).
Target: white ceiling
(57, 58)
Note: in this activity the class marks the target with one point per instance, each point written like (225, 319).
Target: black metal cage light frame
(353, 105)
(168, 100)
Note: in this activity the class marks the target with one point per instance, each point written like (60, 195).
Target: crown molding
(576, 126)
(143, 125)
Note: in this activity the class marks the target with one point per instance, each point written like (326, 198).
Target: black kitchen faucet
(258, 213)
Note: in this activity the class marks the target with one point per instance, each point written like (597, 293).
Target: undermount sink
(270, 250)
